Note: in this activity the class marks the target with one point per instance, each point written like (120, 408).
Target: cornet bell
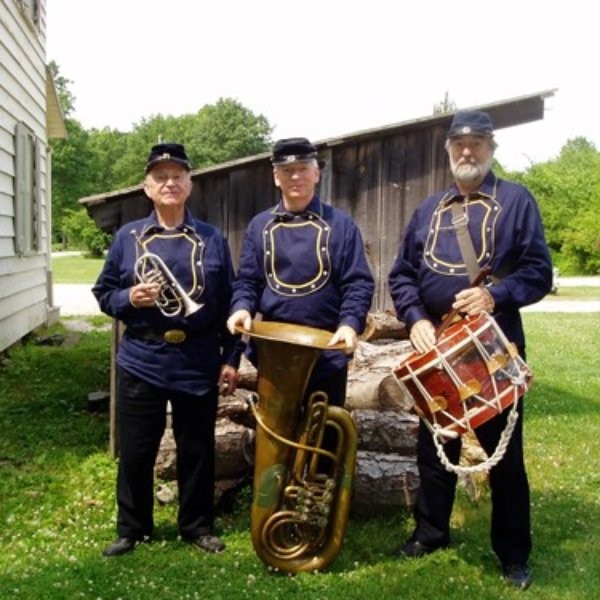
(190, 306)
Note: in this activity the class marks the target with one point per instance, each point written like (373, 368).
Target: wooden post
(117, 332)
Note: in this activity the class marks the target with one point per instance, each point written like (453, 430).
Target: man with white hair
(432, 276)
(304, 262)
(167, 278)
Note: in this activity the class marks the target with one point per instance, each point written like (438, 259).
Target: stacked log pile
(386, 477)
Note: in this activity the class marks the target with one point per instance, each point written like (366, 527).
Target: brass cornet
(172, 298)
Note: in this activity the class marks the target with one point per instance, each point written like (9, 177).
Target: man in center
(303, 262)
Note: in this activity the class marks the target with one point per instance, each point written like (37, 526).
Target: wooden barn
(378, 176)
(30, 115)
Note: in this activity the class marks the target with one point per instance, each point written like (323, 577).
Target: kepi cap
(292, 150)
(168, 152)
(471, 122)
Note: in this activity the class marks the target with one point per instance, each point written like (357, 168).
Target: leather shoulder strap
(460, 221)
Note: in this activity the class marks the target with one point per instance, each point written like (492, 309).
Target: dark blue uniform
(152, 371)
(505, 226)
(307, 268)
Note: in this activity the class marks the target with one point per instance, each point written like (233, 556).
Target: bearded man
(433, 275)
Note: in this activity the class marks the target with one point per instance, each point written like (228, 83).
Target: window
(28, 210)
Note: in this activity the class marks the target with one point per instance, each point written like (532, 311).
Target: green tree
(82, 232)
(73, 174)
(217, 133)
(129, 163)
(226, 131)
(96, 161)
(65, 97)
(568, 192)
(107, 147)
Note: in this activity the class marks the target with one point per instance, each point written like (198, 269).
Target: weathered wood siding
(380, 182)
(24, 276)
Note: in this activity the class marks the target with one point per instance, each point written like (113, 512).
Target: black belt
(171, 336)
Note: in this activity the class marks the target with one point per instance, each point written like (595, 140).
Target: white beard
(470, 172)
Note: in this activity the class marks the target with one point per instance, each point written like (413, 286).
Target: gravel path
(75, 299)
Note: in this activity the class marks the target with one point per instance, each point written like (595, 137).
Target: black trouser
(141, 421)
(334, 385)
(510, 527)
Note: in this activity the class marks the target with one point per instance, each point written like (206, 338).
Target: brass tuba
(172, 298)
(302, 491)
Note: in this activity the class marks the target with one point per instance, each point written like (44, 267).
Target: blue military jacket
(307, 268)
(506, 229)
(198, 256)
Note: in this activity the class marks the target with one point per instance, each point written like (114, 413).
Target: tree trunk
(386, 431)
(372, 363)
(394, 396)
(234, 452)
(384, 483)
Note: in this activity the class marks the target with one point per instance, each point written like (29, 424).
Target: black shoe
(208, 543)
(518, 576)
(415, 549)
(120, 546)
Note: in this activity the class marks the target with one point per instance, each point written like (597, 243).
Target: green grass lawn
(57, 496)
(75, 269)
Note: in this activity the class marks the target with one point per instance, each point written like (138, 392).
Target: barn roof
(504, 113)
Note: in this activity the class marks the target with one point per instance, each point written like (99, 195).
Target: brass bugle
(172, 298)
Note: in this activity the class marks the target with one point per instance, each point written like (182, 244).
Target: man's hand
(474, 300)
(144, 295)
(228, 380)
(239, 317)
(422, 335)
(345, 334)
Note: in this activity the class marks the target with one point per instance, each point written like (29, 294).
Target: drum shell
(437, 379)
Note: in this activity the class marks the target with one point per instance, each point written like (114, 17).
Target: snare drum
(471, 375)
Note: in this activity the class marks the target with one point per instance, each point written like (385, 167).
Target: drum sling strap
(460, 221)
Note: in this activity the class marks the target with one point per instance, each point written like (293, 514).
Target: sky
(326, 68)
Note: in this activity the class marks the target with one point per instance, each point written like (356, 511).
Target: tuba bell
(172, 298)
(302, 491)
